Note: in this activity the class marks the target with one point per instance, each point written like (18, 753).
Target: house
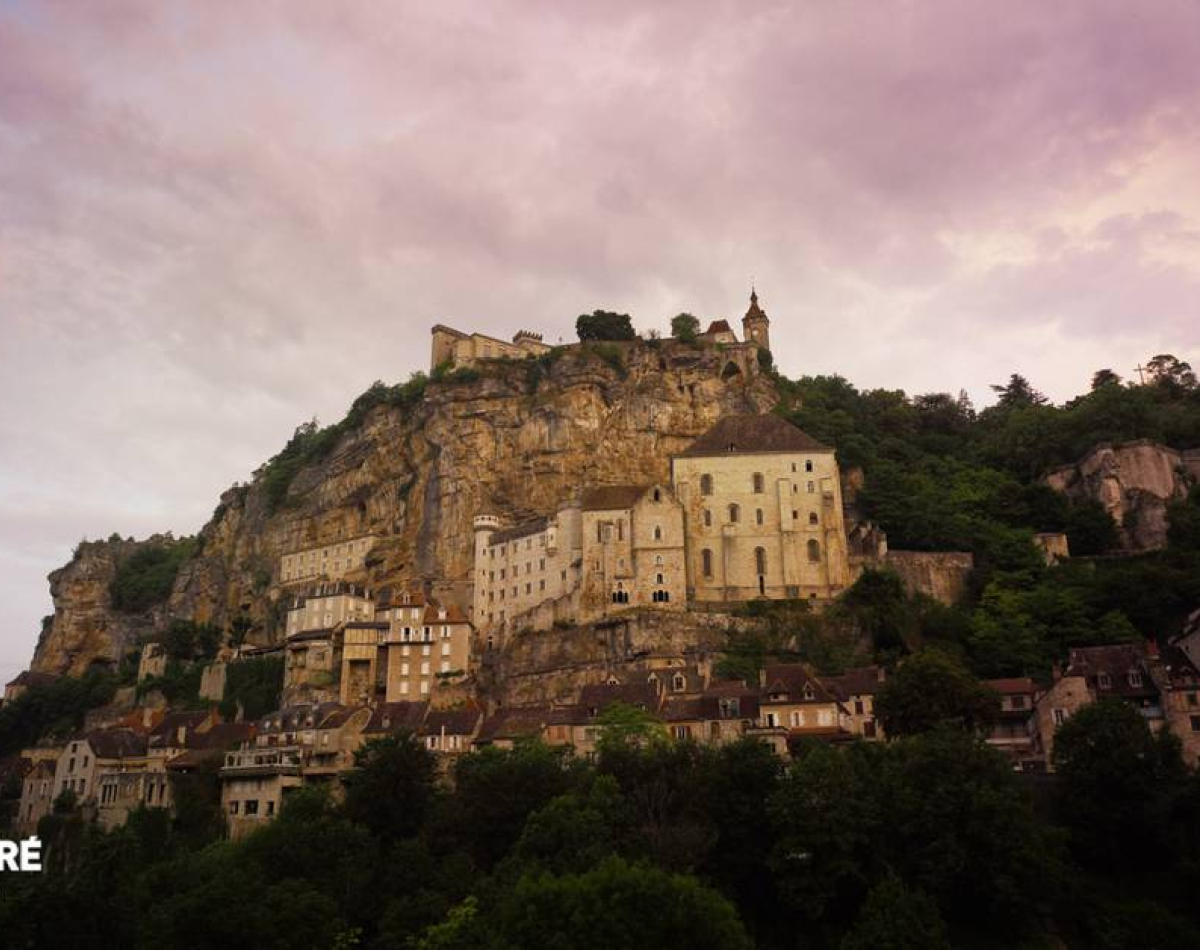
(100, 751)
(722, 713)
(455, 348)
(390, 718)
(796, 705)
(1012, 733)
(37, 796)
(331, 561)
(511, 725)
(1127, 672)
(451, 731)
(428, 646)
(856, 690)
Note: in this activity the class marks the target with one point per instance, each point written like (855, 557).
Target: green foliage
(145, 578)
(179, 683)
(611, 356)
(615, 906)
(1117, 779)
(55, 709)
(604, 325)
(391, 789)
(931, 690)
(252, 685)
(621, 724)
(188, 640)
(685, 327)
(897, 917)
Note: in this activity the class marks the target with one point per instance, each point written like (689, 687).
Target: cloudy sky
(220, 219)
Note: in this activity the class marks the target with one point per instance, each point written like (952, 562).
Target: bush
(253, 684)
(605, 325)
(147, 576)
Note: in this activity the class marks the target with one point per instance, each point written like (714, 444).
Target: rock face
(1134, 481)
(512, 437)
(84, 628)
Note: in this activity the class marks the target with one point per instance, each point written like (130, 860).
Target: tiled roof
(719, 326)
(396, 717)
(1115, 661)
(523, 530)
(516, 722)
(750, 434)
(454, 722)
(862, 681)
(612, 497)
(788, 681)
(599, 696)
(1015, 685)
(116, 743)
(305, 636)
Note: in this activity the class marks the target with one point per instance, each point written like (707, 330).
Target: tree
(1183, 532)
(1115, 778)
(1017, 393)
(685, 327)
(604, 325)
(1104, 377)
(879, 606)
(930, 690)
(613, 907)
(1090, 528)
(896, 917)
(621, 724)
(392, 786)
(1171, 373)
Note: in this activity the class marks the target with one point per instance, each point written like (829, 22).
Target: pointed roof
(752, 434)
(755, 311)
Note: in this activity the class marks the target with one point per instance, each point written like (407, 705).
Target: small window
(706, 485)
(1135, 680)
(812, 487)
(1060, 716)
(808, 466)
(758, 482)
(758, 516)
(1104, 681)
(734, 514)
(706, 562)
(678, 683)
(813, 519)
(760, 561)
(657, 494)
(657, 533)
(707, 518)
(814, 551)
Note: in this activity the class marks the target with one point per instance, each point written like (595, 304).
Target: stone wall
(941, 575)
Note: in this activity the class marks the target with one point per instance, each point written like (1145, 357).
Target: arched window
(706, 486)
(658, 560)
(657, 532)
(812, 518)
(706, 562)
(760, 561)
(658, 578)
(814, 551)
(707, 518)
(657, 495)
(759, 483)
(758, 516)
(734, 514)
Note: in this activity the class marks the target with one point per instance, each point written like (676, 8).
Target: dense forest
(928, 840)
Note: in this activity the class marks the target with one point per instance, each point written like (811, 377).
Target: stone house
(37, 796)
(794, 705)
(856, 690)
(508, 726)
(428, 645)
(452, 347)
(331, 561)
(722, 713)
(311, 667)
(527, 575)
(763, 513)
(254, 782)
(327, 606)
(1013, 731)
(100, 751)
(389, 718)
(451, 732)
(633, 550)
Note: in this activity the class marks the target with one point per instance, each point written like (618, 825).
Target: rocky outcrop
(512, 437)
(84, 629)
(1135, 482)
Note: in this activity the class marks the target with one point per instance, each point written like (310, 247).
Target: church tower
(755, 325)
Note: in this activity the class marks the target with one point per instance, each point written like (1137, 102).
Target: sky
(218, 220)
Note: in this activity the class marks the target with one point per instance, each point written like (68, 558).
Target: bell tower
(756, 328)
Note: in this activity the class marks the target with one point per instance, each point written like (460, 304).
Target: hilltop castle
(453, 347)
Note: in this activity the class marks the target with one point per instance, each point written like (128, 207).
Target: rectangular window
(425, 669)
(1060, 716)
(1195, 723)
(252, 806)
(233, 808)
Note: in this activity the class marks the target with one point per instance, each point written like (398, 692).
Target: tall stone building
(633, 550)
(762, 506)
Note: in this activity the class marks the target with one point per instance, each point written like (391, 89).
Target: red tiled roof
(1012, 685)
(862, 681)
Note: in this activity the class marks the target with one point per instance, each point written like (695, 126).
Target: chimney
(1152, 649)
(1056, 672)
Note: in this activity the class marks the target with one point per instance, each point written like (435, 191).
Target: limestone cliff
(1135, 482)
(513, 437)
(84, 628)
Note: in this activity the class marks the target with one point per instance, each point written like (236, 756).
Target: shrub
(146, 577)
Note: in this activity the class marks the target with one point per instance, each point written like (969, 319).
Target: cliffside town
(507, 550)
